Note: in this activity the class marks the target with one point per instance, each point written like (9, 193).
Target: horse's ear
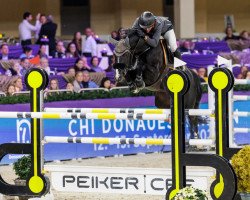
(113, 41)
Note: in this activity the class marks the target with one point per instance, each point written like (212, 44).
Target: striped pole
(242, 114)
(202, 142)
(100, 140)
(242, 130)
(54, 115)
(136, 141)
(192, 112)
(122, 116)
(241, 98)
(241, 82)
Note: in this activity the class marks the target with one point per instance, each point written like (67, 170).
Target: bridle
(131, 53)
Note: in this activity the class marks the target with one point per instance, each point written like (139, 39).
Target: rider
(151, 28)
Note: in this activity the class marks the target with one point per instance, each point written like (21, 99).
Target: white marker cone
(178, 62)
(223, 61)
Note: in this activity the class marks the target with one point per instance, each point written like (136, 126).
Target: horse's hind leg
(194, 120)
(193, 124)
(162, 100)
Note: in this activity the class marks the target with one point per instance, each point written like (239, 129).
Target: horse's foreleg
(162, 100)
(130, 78)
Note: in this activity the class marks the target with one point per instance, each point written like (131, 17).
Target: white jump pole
(132, 141)
(54, 115)
(201, 142)
(242, 114)
(241, 98)
(230, 111)
(242, 130)
(192, 112)
(101, 140)
(241, 82)
(211, 106)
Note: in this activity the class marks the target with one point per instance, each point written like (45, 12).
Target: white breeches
(171, 38)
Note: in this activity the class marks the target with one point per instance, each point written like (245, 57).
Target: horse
(133, 51)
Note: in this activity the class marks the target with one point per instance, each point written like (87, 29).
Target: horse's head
(122, 59)
(125, 51)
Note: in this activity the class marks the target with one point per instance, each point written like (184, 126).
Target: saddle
(168, 58)
(167, 52)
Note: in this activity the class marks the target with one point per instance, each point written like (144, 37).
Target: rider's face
(149, 29)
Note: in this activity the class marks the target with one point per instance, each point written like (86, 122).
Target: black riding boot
(177, 54)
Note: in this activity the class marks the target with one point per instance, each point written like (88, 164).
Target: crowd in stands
(44, 31)
(82, 49)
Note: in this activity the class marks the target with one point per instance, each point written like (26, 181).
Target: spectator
(114, 35)
(60, 50)
(26, 29)
(89, 46)
(42, 51)
(185, 47)
(243, 72)
(72, 71)
(81, 66)
(82, 80)
(248, 75)
(48, 30)
(70, 87)
(25, 65)
(112, 62)
(229, 34)
(27, 53)
(18, 84)
(95, 64)
(78, 41)
(42, 20)
(14, 70)
(53, 85)
(44, 64)
(106, 83)
(72, 51)
(244, 35)
(10, 90)
(87, 83)
(78, 81)
(4, 52)
(202, 73)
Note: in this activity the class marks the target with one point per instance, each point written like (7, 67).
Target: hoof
(140, 85)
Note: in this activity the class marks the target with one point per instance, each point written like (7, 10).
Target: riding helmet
(146, 19)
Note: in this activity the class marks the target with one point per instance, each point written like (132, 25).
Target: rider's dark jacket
(162, 25)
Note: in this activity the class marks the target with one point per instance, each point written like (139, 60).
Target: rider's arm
(153, 42)
(136, 24)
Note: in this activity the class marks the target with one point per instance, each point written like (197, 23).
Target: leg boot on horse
(139, 79)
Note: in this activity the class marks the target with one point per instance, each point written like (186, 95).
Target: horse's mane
(137, 43)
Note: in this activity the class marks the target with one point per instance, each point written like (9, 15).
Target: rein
(131, 52)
